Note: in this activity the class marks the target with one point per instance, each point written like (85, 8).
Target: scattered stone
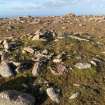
(5, 70)
(76, 85)
(6, 45)
(39, 66)
(103, 52)
(45, 35)
(36, 69)
(56, 60)
(59, 58)
(93, 63)
(45, 52)
(78, 38)
(53, 95)
(75, 95)
(13, 97)
(83, 65)
(28, 50)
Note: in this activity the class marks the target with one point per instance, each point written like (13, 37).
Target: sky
(51, 7)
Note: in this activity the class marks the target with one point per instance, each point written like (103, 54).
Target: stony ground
(88, 46)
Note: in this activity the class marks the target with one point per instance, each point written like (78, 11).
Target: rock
(6, 45)
(76, 85)
(53, 95)
(59, 58)
(78, 38)
(13, 97)
(45, 35)
(75, 95)
(60, 69)
(93, 63)
(103, 52)
(36, 69)
(29, 50)
(5, 70)
(45, 52)
(56, 60)
(83, 65)
(39, 66)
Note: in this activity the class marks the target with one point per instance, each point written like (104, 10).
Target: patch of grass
(84, 74)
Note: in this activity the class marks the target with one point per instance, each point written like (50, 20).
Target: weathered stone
(83, 65)
(36, 69)
(56, 60)
(53, 95)
(13, 97)
(59, 58)
(78, 38)
(45, 35)
(75, 95)
(39, 66)
(45, 52)
(28, 49)
(5, 70)
(6, 45)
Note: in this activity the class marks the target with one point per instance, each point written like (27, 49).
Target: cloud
(60, 3)
(34, 4)
(28, 5)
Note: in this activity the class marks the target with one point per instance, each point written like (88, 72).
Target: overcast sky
(51, 7)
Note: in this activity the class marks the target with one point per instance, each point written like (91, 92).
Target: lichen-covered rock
(13, 97)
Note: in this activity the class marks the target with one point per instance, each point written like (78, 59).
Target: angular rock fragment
(75, 95)
(78, 38)
(29, 50)
(6, 45)
(53, 95)
(39, 66)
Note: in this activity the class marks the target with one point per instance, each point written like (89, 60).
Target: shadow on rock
(25, 84)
